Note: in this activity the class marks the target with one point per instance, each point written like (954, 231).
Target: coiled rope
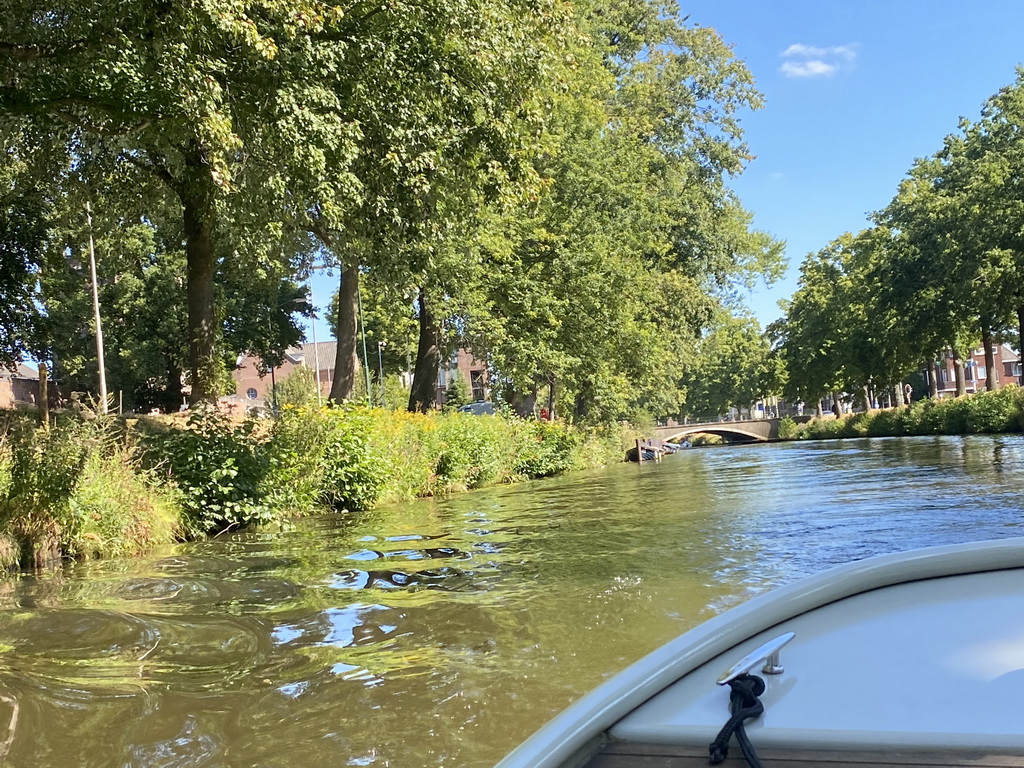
(744, 705)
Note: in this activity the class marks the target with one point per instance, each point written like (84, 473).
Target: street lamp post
(96, 312)
(380, 371)
(316, 347)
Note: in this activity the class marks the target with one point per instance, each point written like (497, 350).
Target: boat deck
(618, 755)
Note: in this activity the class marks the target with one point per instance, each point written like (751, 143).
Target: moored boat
(914, 658)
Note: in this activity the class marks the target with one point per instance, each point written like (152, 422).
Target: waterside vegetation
(983, 413)
(111, 487)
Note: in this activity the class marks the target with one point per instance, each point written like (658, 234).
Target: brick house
(471, 370)
(1007, 369)
(21, 387)
(253, 383)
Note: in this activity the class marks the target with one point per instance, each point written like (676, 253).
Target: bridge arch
(760, 430)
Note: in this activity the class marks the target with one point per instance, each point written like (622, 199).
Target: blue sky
(855, 91)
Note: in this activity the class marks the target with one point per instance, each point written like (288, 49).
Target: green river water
(442, 632)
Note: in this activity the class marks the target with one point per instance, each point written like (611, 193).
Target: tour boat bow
(914, 658)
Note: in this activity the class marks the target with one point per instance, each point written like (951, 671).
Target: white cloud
(816, 61)
(813, 68)
(799, 49)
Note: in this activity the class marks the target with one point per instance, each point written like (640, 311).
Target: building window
(477, 378)
(251, 393)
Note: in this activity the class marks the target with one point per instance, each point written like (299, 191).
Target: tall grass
(103, 487)
(77, 490)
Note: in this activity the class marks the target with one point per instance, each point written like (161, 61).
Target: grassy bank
(108, 487)
(983, 413)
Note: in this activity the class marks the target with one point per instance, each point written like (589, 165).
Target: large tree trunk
(898, 399)
(346, 360)
(428, 360)
(990, 360)
(958, 373)
(44, 396)
(202, 332)
(582, 409)
(869, 401)
(837, 409)
(523, 403)
(933, 382)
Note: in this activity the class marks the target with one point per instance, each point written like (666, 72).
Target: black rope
(744, 705)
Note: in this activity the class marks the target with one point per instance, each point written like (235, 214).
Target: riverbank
(101, 487)
(995, 412)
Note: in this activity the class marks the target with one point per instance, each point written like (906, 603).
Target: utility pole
(316, 347)
(96, 313)
(366, 362)
(380, 370)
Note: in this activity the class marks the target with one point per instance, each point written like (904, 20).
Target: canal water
(442, 632)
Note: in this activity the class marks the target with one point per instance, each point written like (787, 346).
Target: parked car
(478, 409)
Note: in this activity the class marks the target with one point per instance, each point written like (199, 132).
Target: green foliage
(352, 473)
(76, 490)
(298, 389)
(456, 394)
(734, 368)
(551, 449)
(985, 412)
(352, 457)
(45, 468)
(219, 467)
(118, 509)
(322, 456)
(788, 429)
(941, 269)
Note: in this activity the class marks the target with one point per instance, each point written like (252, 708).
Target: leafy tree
(235, 111)
(599, 286)
(734, 368)
(456, 394)
(24, 209)
(422, 162)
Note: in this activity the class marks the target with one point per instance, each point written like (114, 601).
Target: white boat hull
(916, 651)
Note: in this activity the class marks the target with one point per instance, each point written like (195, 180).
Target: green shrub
(456, 395)
(219, 466)
(352, 473)
(788, 429)
(999, 411)
(888, 422)
(323, 456)
(44, 469)
(474, 451)
(299, 388)
(989, 412)
(550, 448)
(76, 490)
(118, 509)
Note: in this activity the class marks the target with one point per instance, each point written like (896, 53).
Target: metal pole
(316, 347)
(273, 391)
(96, 313)
(366, 364)
(380, 370)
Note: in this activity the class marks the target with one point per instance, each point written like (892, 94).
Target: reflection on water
(440, 633)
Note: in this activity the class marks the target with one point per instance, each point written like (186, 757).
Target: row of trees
(941, 269)
(543, 181)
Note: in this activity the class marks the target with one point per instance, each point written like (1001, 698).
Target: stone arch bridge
(756, 430)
